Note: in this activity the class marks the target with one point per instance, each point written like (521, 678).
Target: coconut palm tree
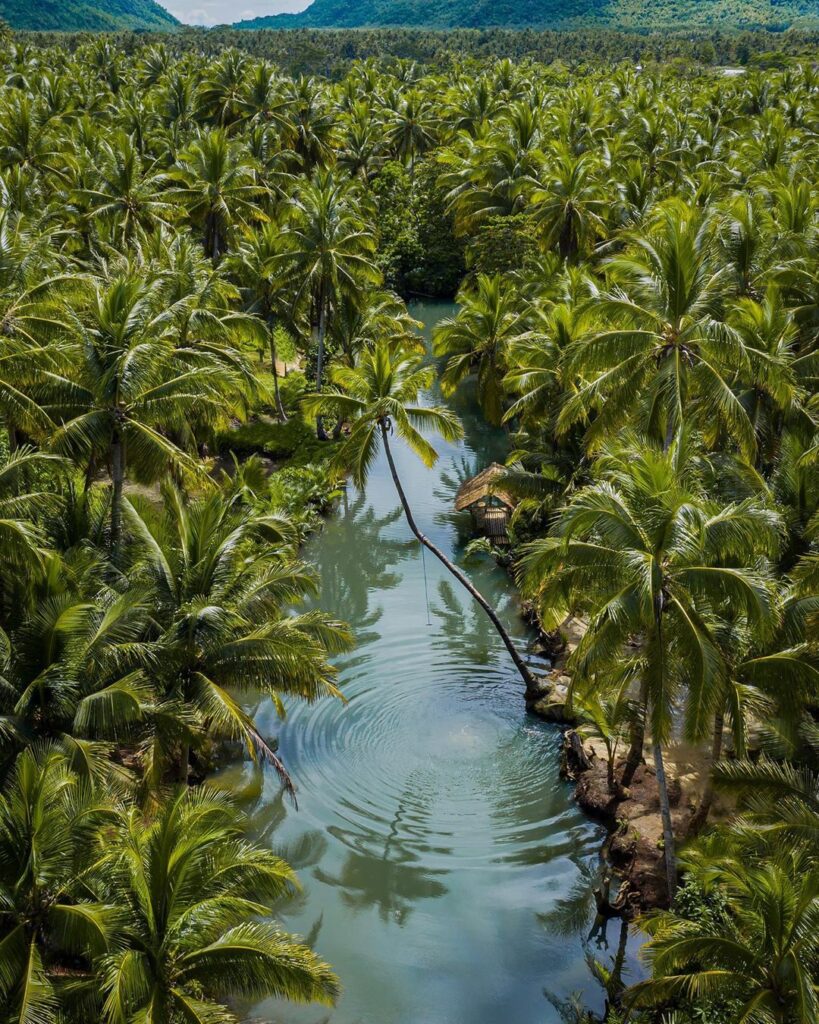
(479, 339)
(72, 675)
(23, 544)
(221, 579)
(194, 891)
(653, 561)
(760, 954)
(218, 188)
(125, 390)
(326, 252)
(780, 800)
(124, 192)
(569, 208)
(52, 924)
(380, 397)
(410, 128)
(263, 293)
(665, 354)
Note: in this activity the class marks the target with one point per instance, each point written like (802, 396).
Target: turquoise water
(435, 840)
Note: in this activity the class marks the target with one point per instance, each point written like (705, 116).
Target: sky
(220, 12)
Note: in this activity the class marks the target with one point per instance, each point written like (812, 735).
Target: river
(443, 861)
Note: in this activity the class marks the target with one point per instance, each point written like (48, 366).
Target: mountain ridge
(85, 15)
(656, 15)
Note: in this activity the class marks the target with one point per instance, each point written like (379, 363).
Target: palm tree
(125, 193)
(480, 338)
(379, 396)
(52, 925)
(194, 890)
(126, 389)
(221, 579)
(665, 354)
(72, 675)
(759, 955)
(780, 800)
(22, 538)
(410, 128)
(218, 188)
(569, 208)
(654, 561)
(326, 252)
(263, 294)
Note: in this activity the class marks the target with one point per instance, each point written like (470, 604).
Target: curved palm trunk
(525, 674)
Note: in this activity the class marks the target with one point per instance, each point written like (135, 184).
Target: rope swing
(426, 589)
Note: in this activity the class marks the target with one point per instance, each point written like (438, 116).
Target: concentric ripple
(434, 837)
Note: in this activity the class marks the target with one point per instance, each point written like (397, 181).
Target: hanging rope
(426, 590)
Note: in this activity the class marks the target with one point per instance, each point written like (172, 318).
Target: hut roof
(485, 484)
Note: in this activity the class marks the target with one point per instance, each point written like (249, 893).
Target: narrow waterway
(444, 863)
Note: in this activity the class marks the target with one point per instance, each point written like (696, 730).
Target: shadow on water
(435, 840)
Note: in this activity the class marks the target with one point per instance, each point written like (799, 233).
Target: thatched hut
(489, 502)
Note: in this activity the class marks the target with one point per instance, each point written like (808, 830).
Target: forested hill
(85, 15)
(570, 14)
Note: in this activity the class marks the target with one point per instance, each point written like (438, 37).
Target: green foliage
(399, 250)
(658, 14)
(642, 313)
(503, 245)
(86, 15)
(293, 441)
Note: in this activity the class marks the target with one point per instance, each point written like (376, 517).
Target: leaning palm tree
(195, 891)
(379, 396)
(653, 561)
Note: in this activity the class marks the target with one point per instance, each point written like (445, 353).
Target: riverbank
(634, 846)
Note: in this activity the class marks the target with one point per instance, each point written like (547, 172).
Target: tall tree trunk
(700, 816)
(634, 758)
(279, 407)
(321, 433)
(117, 480)
(659, 766)
(14, 440)
(665, 814)
(525, 674)
(90, 470)
(184, 759)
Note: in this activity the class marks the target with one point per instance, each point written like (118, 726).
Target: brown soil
(635, 844)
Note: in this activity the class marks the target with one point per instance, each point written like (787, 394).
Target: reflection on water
(434, 837)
